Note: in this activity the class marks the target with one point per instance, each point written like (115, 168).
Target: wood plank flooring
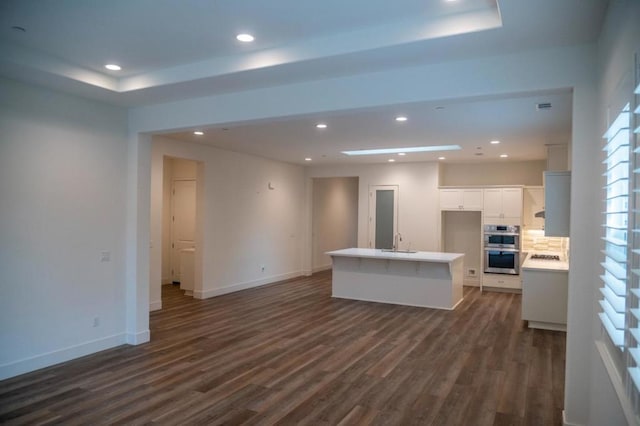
(288, 353)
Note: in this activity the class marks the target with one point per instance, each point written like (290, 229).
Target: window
(620, 293)
(614, 290)
(633, 317)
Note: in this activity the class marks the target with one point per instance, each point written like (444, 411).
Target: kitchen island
(424, 279)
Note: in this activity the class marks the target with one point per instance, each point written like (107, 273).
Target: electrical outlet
(262, 268)
(471, 272)
(105, 256)
(96, 321)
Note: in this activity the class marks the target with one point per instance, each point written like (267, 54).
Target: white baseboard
(565, 422)
(244, 286)
(321, 268)
(155, 306)
(138, 338)
(55, 357)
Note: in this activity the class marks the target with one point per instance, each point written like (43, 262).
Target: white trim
(565, 422)
(138, 338)
(616, 381)
(205, 294)
(37, 362)
(321, 268)
(155, 306)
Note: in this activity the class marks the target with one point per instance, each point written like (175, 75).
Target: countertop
(420, 256)
(545, 265)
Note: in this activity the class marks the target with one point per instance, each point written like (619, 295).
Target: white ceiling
(177, 49)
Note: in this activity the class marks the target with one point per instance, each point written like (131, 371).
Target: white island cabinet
(545, 293)
(424, 279)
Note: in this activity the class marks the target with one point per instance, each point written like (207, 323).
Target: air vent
(543, 105)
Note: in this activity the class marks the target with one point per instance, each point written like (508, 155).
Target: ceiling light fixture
(402, 154)
(401, 118)
(391, 160)
(321, 126)
(409, 149)
(441, 158)
(496, 142)
(503, 155)
(307, 159)
(245, 38)
(198, 133)
(113, 67)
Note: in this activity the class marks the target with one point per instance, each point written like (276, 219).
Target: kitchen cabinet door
(557, 203)
(461, 199)
(503, 206)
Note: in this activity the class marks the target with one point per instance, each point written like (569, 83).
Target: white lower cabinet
(544, 299)
(502, 281)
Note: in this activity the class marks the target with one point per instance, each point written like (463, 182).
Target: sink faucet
(397, 240)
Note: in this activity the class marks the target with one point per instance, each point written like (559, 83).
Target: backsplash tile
(533, 240)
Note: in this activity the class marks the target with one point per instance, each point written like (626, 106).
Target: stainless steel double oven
(502, 249)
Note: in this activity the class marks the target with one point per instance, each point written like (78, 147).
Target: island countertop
(419, 256)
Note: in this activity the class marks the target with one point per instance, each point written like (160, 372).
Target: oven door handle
(508, 234)
(500, 249)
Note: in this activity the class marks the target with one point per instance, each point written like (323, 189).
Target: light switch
(105, 256)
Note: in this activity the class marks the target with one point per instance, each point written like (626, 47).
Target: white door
(383, 215)
(183, 221)
(493, 202)
(512, 202)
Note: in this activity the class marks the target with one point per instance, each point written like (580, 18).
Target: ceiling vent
(543, 105)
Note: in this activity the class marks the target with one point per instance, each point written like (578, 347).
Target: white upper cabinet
(503, 206)
(533, 203)
(461, 199)
(557, 203)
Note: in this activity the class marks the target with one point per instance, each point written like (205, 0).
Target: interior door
(383, 215)
(183, 222)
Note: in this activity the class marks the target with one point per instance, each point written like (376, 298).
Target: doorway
(334, 218)
(383, 216)
(179, 223)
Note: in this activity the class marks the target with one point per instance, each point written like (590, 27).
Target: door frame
(173, 262)
(371, 222)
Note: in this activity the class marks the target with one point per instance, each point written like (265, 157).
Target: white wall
(63, 186)
(418, 207)
(244, 224)
(335, 218)
(501, 173)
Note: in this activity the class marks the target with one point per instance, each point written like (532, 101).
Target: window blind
(616, 213)
(633, 299)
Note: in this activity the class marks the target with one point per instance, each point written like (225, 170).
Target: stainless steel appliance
(502, 249)
(502, 236)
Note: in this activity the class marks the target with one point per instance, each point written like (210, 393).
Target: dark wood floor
(288, 353)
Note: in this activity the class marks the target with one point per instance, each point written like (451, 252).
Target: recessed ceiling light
(441, 158)
(503, 155)
(391, 160)
(397, 150)
(113, 67)
(495, 142)
(198, 133)
(245, 38)
(321, 126)
(401, 118)
(402, 154)
(307, 159)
